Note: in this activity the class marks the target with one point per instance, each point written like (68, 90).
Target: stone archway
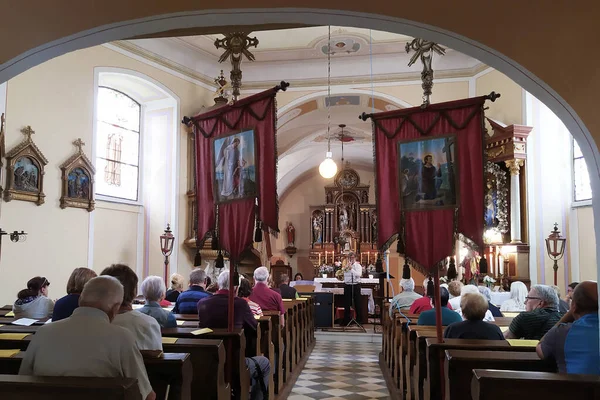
(244, 17)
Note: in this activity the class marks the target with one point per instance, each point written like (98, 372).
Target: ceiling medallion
(341, 45)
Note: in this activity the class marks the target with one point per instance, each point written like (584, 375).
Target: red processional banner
(429, 178)
(236, 166)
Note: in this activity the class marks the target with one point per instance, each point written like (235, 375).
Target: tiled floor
(341, 371)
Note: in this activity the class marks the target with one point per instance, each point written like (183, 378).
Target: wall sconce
(166, 247)
(555, 246)
(15, 237)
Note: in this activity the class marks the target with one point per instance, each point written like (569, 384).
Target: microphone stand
(354, 305)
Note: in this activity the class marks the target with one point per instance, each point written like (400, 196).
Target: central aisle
(341, 370)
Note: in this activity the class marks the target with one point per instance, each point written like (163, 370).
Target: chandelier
(328, 167)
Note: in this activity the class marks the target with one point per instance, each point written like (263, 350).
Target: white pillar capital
(514, 166)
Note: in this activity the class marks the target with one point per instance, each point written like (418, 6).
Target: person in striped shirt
(244, 291)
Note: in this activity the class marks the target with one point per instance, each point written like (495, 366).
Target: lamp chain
(329, 90)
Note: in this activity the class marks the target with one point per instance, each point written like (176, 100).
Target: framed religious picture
(234, 167)
(78, 180)
(25, 171)
(428, 173)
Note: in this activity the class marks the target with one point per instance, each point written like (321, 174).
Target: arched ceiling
(302, 134)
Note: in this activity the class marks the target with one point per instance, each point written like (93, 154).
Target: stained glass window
(117, 144)
(581, 186)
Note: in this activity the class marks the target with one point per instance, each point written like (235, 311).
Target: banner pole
(438, 324)
(231, 297)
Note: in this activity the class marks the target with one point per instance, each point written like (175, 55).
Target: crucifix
(79, 144)
(425, 50)
(236, 45)
(27, 131)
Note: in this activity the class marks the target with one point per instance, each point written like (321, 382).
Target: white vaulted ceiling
(299, 56)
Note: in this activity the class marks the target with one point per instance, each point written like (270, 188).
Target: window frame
(575, 202)
(115, 199)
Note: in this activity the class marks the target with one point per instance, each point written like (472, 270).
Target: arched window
(581, 177)
(117, 144)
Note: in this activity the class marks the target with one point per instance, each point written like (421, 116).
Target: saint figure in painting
(429, 173)
(233, 165)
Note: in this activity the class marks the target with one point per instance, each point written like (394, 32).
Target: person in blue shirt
(573, 342)
(187, 302)
(448, 316)
(153, 290)
(65, 306)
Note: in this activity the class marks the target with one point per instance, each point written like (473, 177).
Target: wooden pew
(233, 341)
(17, 387)
(171, 372)
(459, 366)
(497, 385)
(207, 358)
(267, 349)
(412, 376)
(278, 346)
(435, 350)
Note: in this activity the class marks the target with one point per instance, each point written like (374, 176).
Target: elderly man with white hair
(86, 343)
(153, 290)
(541, 314)
(406, 298)
(264, 296)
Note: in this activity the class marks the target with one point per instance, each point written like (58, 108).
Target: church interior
(98, 167)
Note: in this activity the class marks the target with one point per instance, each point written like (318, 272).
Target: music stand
(354, 306)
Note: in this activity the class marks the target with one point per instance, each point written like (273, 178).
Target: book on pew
(25, 321)
(201, 331)
(13, 336)
(9, 353)
(523, 342)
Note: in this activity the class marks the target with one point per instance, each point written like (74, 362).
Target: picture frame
(78, 180)
(428, 173)
(25, 171)
(234, 166)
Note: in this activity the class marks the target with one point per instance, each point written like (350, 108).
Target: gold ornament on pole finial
(236, 45)
(424, 49)
(222, 88)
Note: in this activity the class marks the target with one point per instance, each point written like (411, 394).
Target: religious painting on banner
(234, 167)
(428, 173)
(434, 194)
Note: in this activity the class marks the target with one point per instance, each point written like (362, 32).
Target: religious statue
(317, 229)
(291, 235)
(490, 205)
(343, 213)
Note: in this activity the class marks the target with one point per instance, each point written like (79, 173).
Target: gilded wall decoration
(78, 180)
(25, 171)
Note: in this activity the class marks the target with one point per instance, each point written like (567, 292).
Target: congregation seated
(33, 302)
(448, 316)
(516, 303)
(285, 290)
(541, 314)
(264, 296)
(573, 342)
(175, 289)
(298, 277)
(153, 290)
(563, 306)
(474, 307)
(474, 290)
(244, 292)
(454, 288)
(487, 293)
(145, 329)
(213, 312)
(87, 344)
(424, 303)
(65, 306)
(187, 301)
(406, 297)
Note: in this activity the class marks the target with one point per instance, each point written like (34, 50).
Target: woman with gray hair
(518, 293)
(153, 290)
(487, 293)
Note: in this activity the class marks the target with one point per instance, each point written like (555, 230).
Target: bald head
(104, 293)
(585, 299)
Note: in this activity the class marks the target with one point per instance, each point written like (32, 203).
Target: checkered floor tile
(344, 371)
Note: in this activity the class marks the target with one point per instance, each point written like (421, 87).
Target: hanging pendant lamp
(328, 167)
